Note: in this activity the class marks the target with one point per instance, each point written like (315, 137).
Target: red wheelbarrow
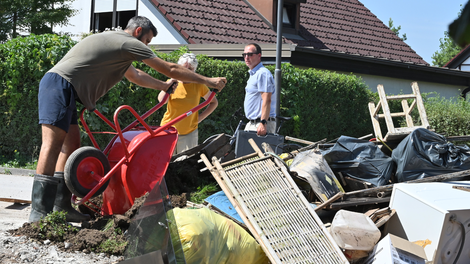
(134, 161)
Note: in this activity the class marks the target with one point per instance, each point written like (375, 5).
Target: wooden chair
(397, 133)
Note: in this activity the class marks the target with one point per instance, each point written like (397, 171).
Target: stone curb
(16, 171)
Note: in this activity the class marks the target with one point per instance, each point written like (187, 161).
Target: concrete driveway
(14, 187)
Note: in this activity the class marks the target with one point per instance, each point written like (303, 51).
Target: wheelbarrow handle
(171, 89)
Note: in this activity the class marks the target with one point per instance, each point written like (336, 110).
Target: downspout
(277, 72)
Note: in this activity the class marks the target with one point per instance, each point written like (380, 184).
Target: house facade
(336, 35)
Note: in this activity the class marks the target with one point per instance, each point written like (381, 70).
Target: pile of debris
(346, 202)
(394, 199)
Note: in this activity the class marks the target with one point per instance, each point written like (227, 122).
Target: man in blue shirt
(260, 97)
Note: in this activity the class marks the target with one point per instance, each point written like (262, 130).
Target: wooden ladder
(397, 133)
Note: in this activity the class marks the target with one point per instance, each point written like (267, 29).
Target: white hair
(189, 58)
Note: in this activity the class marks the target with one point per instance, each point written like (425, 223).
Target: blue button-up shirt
(261, 80)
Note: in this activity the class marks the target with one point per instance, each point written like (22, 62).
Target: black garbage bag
(361, 160)
(424, 153)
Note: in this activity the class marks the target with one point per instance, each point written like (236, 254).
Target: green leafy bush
(23, 62)
(324, 104)
(450, 117)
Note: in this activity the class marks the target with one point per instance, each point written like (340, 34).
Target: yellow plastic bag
(209, 238)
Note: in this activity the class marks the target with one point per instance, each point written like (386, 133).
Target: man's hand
(172, 84)
(261, 130)
(217, 83)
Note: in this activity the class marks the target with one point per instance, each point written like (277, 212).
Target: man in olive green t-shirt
(89, 70)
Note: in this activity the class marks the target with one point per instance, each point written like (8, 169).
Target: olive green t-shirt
(96, 63)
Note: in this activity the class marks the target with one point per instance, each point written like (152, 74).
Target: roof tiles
(345, 26)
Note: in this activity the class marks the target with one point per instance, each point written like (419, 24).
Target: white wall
(397, 86)
(80, 23)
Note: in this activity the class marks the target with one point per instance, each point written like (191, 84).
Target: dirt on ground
(105, 233)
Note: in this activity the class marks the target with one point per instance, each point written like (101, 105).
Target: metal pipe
(277, 72)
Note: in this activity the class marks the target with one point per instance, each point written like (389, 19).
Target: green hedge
(448, 117)
(323, 104)
(23, 62)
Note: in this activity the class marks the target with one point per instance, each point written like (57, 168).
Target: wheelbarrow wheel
(84, 169)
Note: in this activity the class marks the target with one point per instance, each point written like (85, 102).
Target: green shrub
(324, 104)
(23, 62)
(450, 117)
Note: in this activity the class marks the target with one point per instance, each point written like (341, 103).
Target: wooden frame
(400, 132)
(274, 210)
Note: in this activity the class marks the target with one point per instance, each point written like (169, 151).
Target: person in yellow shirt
(185, 97)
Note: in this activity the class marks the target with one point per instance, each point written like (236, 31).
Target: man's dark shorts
(56, 100)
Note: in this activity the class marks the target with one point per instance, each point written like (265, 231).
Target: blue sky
(423, 21)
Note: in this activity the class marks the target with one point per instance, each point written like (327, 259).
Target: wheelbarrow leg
(63, 201)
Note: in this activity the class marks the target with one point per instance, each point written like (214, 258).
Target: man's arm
(143, 79)
(181, 73)
(265, 109)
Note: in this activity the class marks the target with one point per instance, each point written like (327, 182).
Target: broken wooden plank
(329, 201)
(12, 200)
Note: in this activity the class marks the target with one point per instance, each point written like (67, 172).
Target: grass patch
(54, 227)
(17, 160)
(204, 192)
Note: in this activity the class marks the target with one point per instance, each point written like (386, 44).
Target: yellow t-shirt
(185, 97)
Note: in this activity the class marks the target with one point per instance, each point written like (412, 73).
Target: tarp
(424, 153)
(360, 159)
(221, 202)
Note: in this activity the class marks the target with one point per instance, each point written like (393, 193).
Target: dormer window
(291, 16)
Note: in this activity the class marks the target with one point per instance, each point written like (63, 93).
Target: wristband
(264, 122)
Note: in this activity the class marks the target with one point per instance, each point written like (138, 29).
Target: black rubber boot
(43, 196)
(63, 201)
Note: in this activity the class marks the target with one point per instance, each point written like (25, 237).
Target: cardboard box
(395, 250)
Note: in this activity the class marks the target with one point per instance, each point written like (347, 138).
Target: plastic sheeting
(209, 238)
(154, 229)
(311, 166)
(360, 159)
(424, 153)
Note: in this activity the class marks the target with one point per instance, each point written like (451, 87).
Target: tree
(32, 16)
(396, 30)
(447, 50)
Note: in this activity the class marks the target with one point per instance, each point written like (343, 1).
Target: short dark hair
(144, 23)
(257, 47)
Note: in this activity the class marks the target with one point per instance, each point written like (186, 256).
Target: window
(123, 17)
(289, 15)
(112, 14)
(103, 21)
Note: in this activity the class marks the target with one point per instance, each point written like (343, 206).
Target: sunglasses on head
(249, 54)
